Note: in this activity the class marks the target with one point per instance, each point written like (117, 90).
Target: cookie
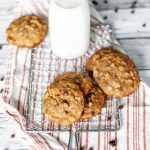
(91, 62)
(79, 78)
(63, 103)
(27, 31)
(116, 74)
(93, 103)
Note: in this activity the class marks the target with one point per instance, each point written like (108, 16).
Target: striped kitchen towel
(135, 129)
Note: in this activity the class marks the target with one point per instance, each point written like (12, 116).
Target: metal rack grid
(44, 68)
(42, 73)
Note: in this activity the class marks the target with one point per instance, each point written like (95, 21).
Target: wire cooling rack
(44, 68)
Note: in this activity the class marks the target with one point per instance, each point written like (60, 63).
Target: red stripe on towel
(45, 140)
(138, 119)
(14, 72)
(24, 71)
(144, 119)
(37, 86)
(127, 125)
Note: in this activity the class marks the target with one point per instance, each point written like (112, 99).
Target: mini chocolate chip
(113, 142)
(105, 17)
(90, 74)
(2, 78)
(12, 135)
(132, 11)
(135, 2)
(121, 106)
(95, 2)
(1, 91)
(91, 148)
(65, 101)
(133, 5)
(109, 118)
(66, 112)
(82, 148)
(105, 1)
(116, 9)
(144, 25)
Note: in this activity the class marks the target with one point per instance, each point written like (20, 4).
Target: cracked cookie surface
(27, 31)
(93, 103)
(95, 58)
(116, 74)
(63, 103)
(79, 78)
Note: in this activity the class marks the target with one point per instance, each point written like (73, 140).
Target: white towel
(135, 129)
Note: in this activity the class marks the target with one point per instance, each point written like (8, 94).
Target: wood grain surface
(130, 21)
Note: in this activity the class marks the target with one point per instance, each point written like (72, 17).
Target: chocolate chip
(1, 91)
(82, 148)
(135, 2)
(133, 5)
(90, 74)
(144, 25)
(109, 118)
(105, 17)
(121, 106)
(12, 135)
(65, 101)
(132, 11)
(95, 2)
(6, 149)
(113, 142)
(91, 148)
(0, 46)
(2, 78)
(116, 9)
(105, 1)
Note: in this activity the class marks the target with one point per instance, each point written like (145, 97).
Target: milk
(69, 25)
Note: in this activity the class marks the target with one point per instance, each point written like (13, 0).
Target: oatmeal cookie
(27, 31)
(93, 103)
(79, 78)
(95, 58)
(63, 103)
(116, 74)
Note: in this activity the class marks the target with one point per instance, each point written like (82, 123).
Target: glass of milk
(69, 26)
